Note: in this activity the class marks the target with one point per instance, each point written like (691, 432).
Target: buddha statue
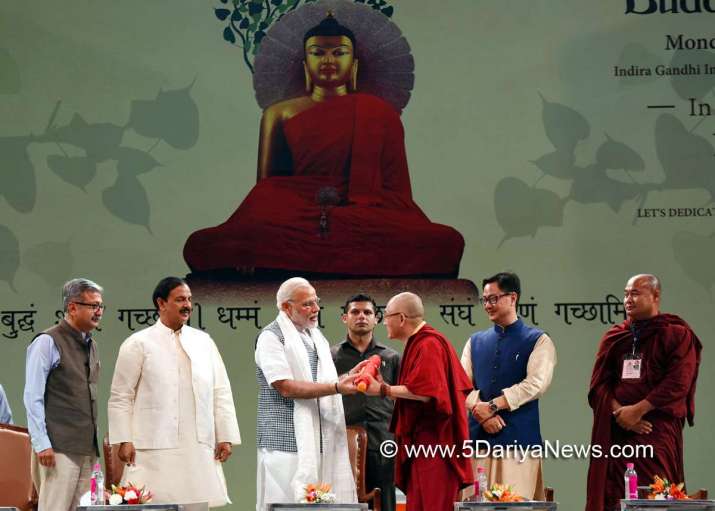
(333, 193)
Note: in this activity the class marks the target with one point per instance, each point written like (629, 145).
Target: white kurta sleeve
(473, 397)
(120, 408)
(224, 410)
(539, 371)
(271, 358)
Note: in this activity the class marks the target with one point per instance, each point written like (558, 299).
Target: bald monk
(333, 184)
(642, 391)
(429, 408)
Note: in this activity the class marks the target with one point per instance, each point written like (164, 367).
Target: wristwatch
(493, 407)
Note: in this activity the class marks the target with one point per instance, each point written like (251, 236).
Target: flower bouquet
(502, 493)
(129, 494)
(318, 494)
(662, 489)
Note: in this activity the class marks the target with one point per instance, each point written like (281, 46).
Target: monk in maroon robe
(429, 409)
(333, 192)
(645, 404)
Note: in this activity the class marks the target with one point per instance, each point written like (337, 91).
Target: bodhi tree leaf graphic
(128, 200)
(17, 174)
(245, 22)
(559, 164)
(520, 209)
(564, 126)
(133, 162)
(687, 158)
(74, 170)
(172, 116)
(528, 208)
(9, 256)
(618, 156)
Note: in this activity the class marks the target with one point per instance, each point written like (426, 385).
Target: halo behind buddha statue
(386, 63)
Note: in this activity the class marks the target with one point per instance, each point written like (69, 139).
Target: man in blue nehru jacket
(511, 365)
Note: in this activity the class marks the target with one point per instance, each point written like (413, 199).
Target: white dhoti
(274, 474)
(182, 474)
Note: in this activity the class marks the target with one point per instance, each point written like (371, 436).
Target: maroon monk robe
(671, 357)
(430, 368)
(355, 144)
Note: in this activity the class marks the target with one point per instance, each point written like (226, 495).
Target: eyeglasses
(492, 299)
(308, 305)
(387, 315)
(94, 306)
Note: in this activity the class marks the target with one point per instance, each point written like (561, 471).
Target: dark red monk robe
(671, 357)
(430, 367)
(354, 143)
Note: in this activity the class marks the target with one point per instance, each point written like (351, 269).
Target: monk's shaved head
(409, 304)
(404, 313)
(641, 297)
(646, 279)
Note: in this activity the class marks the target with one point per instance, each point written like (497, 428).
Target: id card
(632, 367)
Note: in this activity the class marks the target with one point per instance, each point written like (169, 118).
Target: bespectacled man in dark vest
(61, 374)
(511, 366)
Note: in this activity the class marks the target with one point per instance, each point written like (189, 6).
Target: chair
(701, 494)
(357, 449)
(16, 486)
(548, 494)
(113, 466)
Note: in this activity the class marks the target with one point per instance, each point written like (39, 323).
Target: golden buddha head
(330, 60)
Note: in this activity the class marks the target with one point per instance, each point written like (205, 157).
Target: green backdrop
(521, 133)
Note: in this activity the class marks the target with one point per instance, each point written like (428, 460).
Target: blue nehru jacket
(499, 360)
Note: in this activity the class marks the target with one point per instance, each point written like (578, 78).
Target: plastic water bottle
(480, 485)
(631, 482)
(97, 486)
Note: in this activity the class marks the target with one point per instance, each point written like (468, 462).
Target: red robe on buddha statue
(354, 144)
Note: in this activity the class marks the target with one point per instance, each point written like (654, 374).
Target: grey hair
(73, 289)
(651, 280)
(288, 288)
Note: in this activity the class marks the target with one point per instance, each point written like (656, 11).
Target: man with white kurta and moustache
(300, 435)
(171, 408)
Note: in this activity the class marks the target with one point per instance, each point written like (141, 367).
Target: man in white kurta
(171, 408)
(301, 435)
(512, 385)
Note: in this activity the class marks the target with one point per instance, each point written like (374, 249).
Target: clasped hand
(629, 418)
(490, 422)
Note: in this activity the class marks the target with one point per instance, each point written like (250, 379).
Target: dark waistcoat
(499, 360)
(71, 393)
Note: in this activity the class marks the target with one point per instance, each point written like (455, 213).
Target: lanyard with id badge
(633, 361)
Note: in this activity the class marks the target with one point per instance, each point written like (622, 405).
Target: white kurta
(182, 469)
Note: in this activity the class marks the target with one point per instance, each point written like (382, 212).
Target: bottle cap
(629, 465)
(97, 467)
(481, 470)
